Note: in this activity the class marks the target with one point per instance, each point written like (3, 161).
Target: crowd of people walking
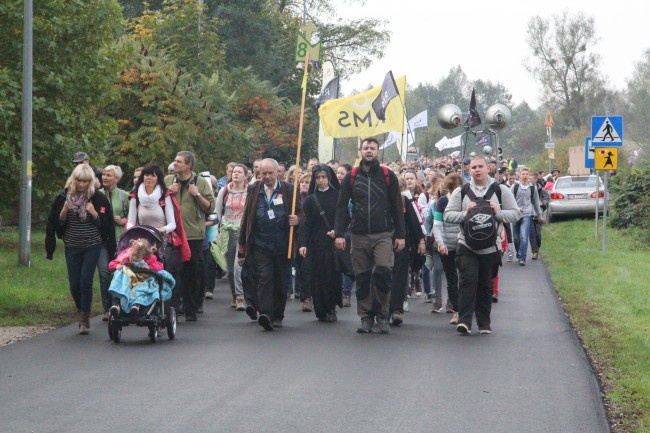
(390, 232)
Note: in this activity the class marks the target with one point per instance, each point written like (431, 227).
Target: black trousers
(400, 281)
(193, 278)
(451, 273)
(475, 285)
(271, 273)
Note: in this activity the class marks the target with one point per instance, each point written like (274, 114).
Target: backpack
(355, 169)
(480, 225)
(532, 196)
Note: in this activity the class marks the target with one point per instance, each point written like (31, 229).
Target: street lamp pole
(25, 222)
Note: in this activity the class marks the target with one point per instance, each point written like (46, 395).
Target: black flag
(330, 91)
(473, 119)
(388, 92)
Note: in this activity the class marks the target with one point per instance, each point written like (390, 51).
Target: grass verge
(606, 297)
(38, 295)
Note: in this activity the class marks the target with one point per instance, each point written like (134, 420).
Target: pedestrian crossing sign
(606, 158)
(607, 131)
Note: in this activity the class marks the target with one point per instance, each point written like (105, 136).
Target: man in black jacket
(377, 228)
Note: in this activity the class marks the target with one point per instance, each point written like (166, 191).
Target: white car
(575, 196)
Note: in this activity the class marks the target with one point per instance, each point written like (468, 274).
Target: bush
(631, 191)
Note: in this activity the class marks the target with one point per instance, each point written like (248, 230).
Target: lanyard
(273, 196)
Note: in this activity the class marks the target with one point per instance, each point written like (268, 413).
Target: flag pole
(408, 129)
(299, 145)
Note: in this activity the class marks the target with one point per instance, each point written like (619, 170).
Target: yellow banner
(354, 117)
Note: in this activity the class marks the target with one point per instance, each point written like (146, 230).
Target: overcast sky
(488, 39)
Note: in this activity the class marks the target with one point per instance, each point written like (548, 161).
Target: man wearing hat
(82, 158)
(466, 162)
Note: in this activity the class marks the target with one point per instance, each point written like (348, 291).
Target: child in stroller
(140, 286)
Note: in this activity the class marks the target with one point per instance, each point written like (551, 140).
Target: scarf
(77, 203)
(149, 200)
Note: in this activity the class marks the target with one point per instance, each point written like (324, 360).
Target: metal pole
(605, 214)
(25, 223)
(597, 192)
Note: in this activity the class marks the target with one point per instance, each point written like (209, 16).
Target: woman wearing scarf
(316, 242)
(83, 218)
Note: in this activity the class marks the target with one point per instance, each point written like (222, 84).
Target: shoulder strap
(322, 212)
(463, 193)
(353, 174)
(225, 199)
(497, 190)
(386, 176)
(515, 190)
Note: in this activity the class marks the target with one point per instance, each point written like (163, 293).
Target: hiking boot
(208, 294)
(396, 319)
(449, 309)
(437, 306)
(240, 304)
(454, 319)
(347, 302)
(383, 326)
(366, 325)
(535, 255)
(428, 298)
(463, 329)
(307, 306)
(84, 323)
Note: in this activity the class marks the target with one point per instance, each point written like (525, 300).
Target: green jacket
(191, 213)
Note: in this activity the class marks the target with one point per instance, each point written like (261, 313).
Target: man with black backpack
(480, 206)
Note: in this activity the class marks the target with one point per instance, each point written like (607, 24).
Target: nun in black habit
(316, 242)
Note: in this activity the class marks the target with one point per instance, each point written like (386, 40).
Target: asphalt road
(225, 374)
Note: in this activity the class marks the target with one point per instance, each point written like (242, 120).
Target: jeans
(104, 278)
(426, 280)
(81, 264)
(436, 275)
(520, 233)
(234, 270)
(347, 285)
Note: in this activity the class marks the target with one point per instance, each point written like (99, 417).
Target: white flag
(392, 138)
(457, 141)
(442, 143)
(448, 143)
(419, 121)
(455, 153)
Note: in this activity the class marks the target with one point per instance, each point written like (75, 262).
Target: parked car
(575, 196)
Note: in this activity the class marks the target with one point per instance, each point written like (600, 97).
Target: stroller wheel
(153, 333)
(114, 328)
(171, 323)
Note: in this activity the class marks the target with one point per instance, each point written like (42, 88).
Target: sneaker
(522, 262)
(251, 311)
(277, 323)
(331, 316)
(485, 330)
(463, 329)
(428, 298)
(535, 255)
(437, 306)
(396, 319)
(208, 294)
(405, 306)
(454, 319)
(200, 310)
(135, 310)
(449, 309)
(240, 304)
(495, 298)
(383, 326)
(366, 325)
(510, 257)
(233, 302)
(307, 306)
(347, 302)
(265, 322)
(418, 294)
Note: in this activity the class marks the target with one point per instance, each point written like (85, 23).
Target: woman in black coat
(83, 218)
(316, 242)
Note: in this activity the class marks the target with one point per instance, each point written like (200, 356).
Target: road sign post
(605, 214)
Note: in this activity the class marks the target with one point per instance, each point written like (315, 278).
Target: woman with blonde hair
(83, 218)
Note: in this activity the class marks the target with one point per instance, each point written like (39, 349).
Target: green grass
(606, 297)
(39, 294)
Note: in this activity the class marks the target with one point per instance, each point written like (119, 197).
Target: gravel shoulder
(13, 334)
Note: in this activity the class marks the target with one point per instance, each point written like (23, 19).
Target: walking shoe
(240, 304)
(347, 302)
(535, 255)
(84, 323)
(307, 306)
(265, 322)
(331, 316)
(277, 323)
(463, 329)
(208, 294)
(449, 308)
(495, 298)
(437, 306)
(200, 310)
(251, 311)
(485, 330)
(522, 262)
(405, 306)
(396, 319)
(366, 325)
(454, 319)
(383, 326)
(233, 302)
(510, 257)
(428, 298)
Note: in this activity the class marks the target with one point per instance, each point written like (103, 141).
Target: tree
(637, 111)
(75, 68)
(564, 63)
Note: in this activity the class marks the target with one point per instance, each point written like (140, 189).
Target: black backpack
(480, 225)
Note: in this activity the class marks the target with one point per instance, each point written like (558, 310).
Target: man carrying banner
(377, 228)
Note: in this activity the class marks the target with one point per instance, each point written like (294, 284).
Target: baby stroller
(156, 314)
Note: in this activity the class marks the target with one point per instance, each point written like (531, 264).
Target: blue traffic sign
(607, 131)
(589, 153)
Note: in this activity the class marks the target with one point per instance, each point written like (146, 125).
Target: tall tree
(637, 113)
(564, 63)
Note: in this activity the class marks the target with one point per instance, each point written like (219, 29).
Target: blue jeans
(520, 232)
(426, 280)
(347, 285)
(81, 263)
(105, 277)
